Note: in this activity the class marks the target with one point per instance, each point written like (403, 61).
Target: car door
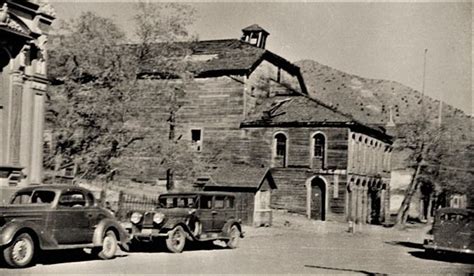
(70, 219)
(219, 213)
(204, 212)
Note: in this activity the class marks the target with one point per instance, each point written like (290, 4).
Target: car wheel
(176, 240)
(109, 246)
(20, 252)
(234, 237)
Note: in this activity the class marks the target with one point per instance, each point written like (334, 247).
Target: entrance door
(375, 204)
(318, 196)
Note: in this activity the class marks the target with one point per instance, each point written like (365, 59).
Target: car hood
(175, 211)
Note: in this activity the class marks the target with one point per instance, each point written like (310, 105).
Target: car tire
(20, 252)
(176, 239)
(108, 248)
(234, 237)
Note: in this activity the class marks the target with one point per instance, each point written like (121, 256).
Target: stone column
(36, 171)
(27, 109)
(359, 204)
(364, 204)
(14, 129)
(382, 205)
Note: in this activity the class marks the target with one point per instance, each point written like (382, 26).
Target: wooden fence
(130, 202)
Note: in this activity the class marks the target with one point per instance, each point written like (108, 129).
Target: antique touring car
(197, 216)
(453, 231)
(56, 217)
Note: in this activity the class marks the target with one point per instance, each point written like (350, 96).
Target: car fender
(10, 230)
(172, 222)
(106, 224)
(229, 224)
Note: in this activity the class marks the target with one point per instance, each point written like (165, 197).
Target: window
(219, 202)
(42, 197)
(279, 151)
(206, 202)
(280, 140)
(72, 199)
(319, 145)
(229, 202)
(196, 139)
(177, 202)
(22, 198)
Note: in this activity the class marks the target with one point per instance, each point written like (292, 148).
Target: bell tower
(255, 35)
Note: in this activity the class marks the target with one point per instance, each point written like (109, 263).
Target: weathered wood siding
(214, 105)
(258, 146)
(292, 192)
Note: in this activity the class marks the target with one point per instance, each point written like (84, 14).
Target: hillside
(370, 100)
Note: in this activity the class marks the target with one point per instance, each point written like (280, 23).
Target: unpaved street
(317, 247)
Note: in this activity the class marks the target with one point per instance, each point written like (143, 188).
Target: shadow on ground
(160, 246)
(344, 269)
(444, 257)
(406, 244)
(62, 256)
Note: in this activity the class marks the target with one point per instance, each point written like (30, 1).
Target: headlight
(158, 218)
(136, 217)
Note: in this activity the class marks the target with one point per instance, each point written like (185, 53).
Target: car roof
(197, 193)
(55, 187)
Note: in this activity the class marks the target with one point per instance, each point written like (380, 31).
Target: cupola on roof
(255, 35)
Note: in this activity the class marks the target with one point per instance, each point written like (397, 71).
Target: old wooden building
(23, 35)
(253, 105)
(253, 187)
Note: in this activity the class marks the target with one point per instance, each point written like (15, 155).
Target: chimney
(255, 35)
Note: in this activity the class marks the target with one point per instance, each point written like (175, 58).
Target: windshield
(177, 201)
(34, 197)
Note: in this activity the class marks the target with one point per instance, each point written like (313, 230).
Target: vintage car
(196, 216)
(452, 231)
(47, 217)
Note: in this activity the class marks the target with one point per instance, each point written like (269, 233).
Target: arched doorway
(318, 199)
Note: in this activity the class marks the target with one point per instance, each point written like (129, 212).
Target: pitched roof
(287, 109)
(301, 110)
(240, 176)
(254, 28)
(216, 57)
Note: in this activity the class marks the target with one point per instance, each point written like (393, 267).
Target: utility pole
(423, 85)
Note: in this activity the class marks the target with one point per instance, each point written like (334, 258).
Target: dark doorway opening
(318, 199)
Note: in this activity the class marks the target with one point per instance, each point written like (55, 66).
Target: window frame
(275, 148)
(312, 148)
(198, 144)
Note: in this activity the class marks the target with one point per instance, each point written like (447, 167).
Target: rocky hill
(370, 100)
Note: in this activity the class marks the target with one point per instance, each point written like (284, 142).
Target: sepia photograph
(236, 137)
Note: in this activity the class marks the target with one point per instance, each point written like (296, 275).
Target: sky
(378, 40)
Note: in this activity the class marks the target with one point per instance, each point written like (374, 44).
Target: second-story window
(196, 139)
(280, 144)
(318, 151)
(319, 145)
